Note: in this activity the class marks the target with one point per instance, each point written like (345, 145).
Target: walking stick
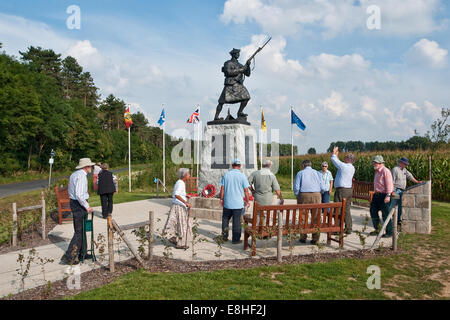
(187, 226)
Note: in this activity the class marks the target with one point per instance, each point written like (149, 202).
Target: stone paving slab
(138, 211)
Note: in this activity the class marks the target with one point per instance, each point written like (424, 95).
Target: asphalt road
(21, 187)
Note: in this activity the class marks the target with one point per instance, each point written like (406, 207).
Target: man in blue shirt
(234, 185)
(308, 186)
(343, 184)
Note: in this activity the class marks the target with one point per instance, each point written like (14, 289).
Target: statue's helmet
(234, 51)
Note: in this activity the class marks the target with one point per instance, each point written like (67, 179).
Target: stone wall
(416, 211)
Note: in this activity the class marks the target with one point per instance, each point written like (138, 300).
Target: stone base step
(205, 203)
(210, 214)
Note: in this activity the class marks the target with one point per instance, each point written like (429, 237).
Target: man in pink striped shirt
(383, 187)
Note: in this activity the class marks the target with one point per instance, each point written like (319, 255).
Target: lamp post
(51, 160)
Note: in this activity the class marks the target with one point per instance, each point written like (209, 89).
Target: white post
(50, 174)
(129, 161)
(43, 215)
(292, 154)
(260, 140)
(14, 217)
(164, 151)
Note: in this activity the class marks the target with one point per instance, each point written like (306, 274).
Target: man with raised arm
(343, 184)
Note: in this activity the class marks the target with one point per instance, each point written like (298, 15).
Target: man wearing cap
(399, 175)
(344, 184)
(263, 183)
(383, 188)
(234, 90)
(234, 185)
(78, 194)
(308, 186)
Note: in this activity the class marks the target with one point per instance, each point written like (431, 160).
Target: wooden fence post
(110, 244)
(280, 236)
(150, 235)
(394, 230)
(429, 167)
(43, 216)
(14, 231)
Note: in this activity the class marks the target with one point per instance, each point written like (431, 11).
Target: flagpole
(292, 155)
(164, 149)
(198, 140)
(260, 140)
(129, 160)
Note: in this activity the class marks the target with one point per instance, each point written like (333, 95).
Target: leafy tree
(440, 129)
(312, 151)
(44, 61)
(71, 76)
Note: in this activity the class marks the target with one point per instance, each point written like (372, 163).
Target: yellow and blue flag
(263, 121)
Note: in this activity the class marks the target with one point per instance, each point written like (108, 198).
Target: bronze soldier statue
(234, 90)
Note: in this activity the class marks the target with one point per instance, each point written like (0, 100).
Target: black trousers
(107, 204)
(76, 244)
(227, 215)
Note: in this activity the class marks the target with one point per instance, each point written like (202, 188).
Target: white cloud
(272, 58)
(334, 104)
(429, 53)
(86, 54)
(288, 17)
(325, 65)
(369, 109)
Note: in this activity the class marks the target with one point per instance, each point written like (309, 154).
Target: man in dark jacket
(107, 186)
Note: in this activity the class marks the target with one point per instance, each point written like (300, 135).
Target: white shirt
(78, 187)
(97, 169)
(179, 190)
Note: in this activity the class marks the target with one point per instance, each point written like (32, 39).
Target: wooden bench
(62, 195)
(297, 219)
(362, 190)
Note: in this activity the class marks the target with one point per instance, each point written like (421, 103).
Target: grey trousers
(339, 195)
(311, 197)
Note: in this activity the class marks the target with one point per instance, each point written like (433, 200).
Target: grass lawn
(421, 271)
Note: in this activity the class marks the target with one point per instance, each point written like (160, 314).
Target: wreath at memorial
(209, 191)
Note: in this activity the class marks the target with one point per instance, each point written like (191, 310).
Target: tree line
(49, 103)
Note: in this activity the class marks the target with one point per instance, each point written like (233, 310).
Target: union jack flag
(195, 117)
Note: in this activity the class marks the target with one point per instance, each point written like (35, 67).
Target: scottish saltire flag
(162, 118)
(296, 120)
(195, 117)
(263, 121)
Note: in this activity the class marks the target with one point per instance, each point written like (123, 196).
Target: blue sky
(345, 81)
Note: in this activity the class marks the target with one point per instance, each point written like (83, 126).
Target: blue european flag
(295, 119)
(162, 118)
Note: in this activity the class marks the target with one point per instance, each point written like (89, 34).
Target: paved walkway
(133, 212)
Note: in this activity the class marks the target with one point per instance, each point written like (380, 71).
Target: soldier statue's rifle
(249, 60)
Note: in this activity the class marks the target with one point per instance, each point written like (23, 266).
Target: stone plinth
(223, 143)
(416, 209)
(209, 208)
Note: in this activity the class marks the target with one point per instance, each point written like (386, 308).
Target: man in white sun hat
(78, 194)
